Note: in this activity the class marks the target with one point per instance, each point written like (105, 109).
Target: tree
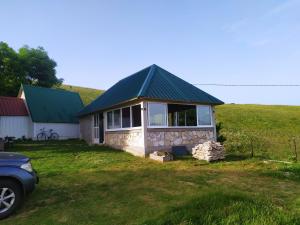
(27, 66)
(11, 71)
(39, 68)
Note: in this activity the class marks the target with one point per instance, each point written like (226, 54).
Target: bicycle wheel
(54, 136)
(41, 137)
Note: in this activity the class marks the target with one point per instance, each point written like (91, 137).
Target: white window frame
(166, 114)
(125, 128)
(211, 116)
(167, 118)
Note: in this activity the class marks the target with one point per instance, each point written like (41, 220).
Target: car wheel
(10, 197)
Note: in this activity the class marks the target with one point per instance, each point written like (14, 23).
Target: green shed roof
(47, 105)
(152, 82)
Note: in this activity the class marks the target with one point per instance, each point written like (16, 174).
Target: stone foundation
(163, 139)
(128, 140)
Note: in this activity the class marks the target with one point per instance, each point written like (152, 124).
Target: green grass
(87, 94)
(82, 184)
(270, 127)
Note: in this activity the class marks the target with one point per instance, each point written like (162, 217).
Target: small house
(151, 110)
(38, 108)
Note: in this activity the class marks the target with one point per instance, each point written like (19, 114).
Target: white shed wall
(15, 126)
(64, 130)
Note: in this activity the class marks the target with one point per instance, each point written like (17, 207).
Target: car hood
(11, 156)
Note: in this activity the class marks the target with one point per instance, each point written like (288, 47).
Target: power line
(250, 85)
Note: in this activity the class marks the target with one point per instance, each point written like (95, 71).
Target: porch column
(144, 118)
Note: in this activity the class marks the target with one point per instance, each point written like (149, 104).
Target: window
(182, 115)
(204, 115)
(117, 118)
(110, 120)
(126, 117)
(96, 125)
(136, 116)
(157, 114)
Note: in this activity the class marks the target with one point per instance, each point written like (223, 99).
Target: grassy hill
(265, 128)
(87, 94)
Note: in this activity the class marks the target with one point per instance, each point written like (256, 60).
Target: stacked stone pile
(209, 151)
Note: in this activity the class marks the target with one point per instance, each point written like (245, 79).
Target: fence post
(252, 148)
(295, 149)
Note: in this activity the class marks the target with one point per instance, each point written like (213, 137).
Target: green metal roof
(152, 82)
(47, 105)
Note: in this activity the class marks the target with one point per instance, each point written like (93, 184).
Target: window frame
(166, 115)
(121, 119)
(167, 118)
(211, 117)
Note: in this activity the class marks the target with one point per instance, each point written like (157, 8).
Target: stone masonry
(128, 140)
(163, 139)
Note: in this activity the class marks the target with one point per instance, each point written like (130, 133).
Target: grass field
(82, 184)
(270, 127)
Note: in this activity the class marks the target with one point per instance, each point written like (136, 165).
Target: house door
(98, 128)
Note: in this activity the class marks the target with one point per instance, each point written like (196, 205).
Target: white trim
(165, 109)
(186, 127)
(120, 129)
(125, 128)
(210, 112)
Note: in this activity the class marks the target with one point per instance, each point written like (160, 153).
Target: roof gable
(12, 106)
(152, 82)
(47, 105)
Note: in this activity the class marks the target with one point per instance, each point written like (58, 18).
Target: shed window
(136, 116)
(204, 115)
(157, 114)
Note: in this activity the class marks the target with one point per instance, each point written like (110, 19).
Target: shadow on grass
(63, 146)
(218, 207)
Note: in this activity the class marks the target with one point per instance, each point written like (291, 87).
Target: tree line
(26, 66)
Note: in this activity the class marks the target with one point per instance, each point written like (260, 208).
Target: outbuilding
(38, 108)
(52, 109)
(151, 110)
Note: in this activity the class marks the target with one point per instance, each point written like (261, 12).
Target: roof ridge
(147, 81)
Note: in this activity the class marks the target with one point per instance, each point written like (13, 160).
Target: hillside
(265, 128)
(268, 129)
(87, 94)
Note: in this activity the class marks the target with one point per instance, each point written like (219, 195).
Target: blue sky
(97, 43)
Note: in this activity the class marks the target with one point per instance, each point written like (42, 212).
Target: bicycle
(47, 135)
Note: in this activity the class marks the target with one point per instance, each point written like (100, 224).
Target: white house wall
(64, 130)
(15, 126)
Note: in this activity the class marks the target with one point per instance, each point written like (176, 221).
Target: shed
(53, 109)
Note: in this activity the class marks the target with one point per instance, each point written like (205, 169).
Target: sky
(97, 43)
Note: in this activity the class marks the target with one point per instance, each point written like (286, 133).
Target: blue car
(17, 179)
